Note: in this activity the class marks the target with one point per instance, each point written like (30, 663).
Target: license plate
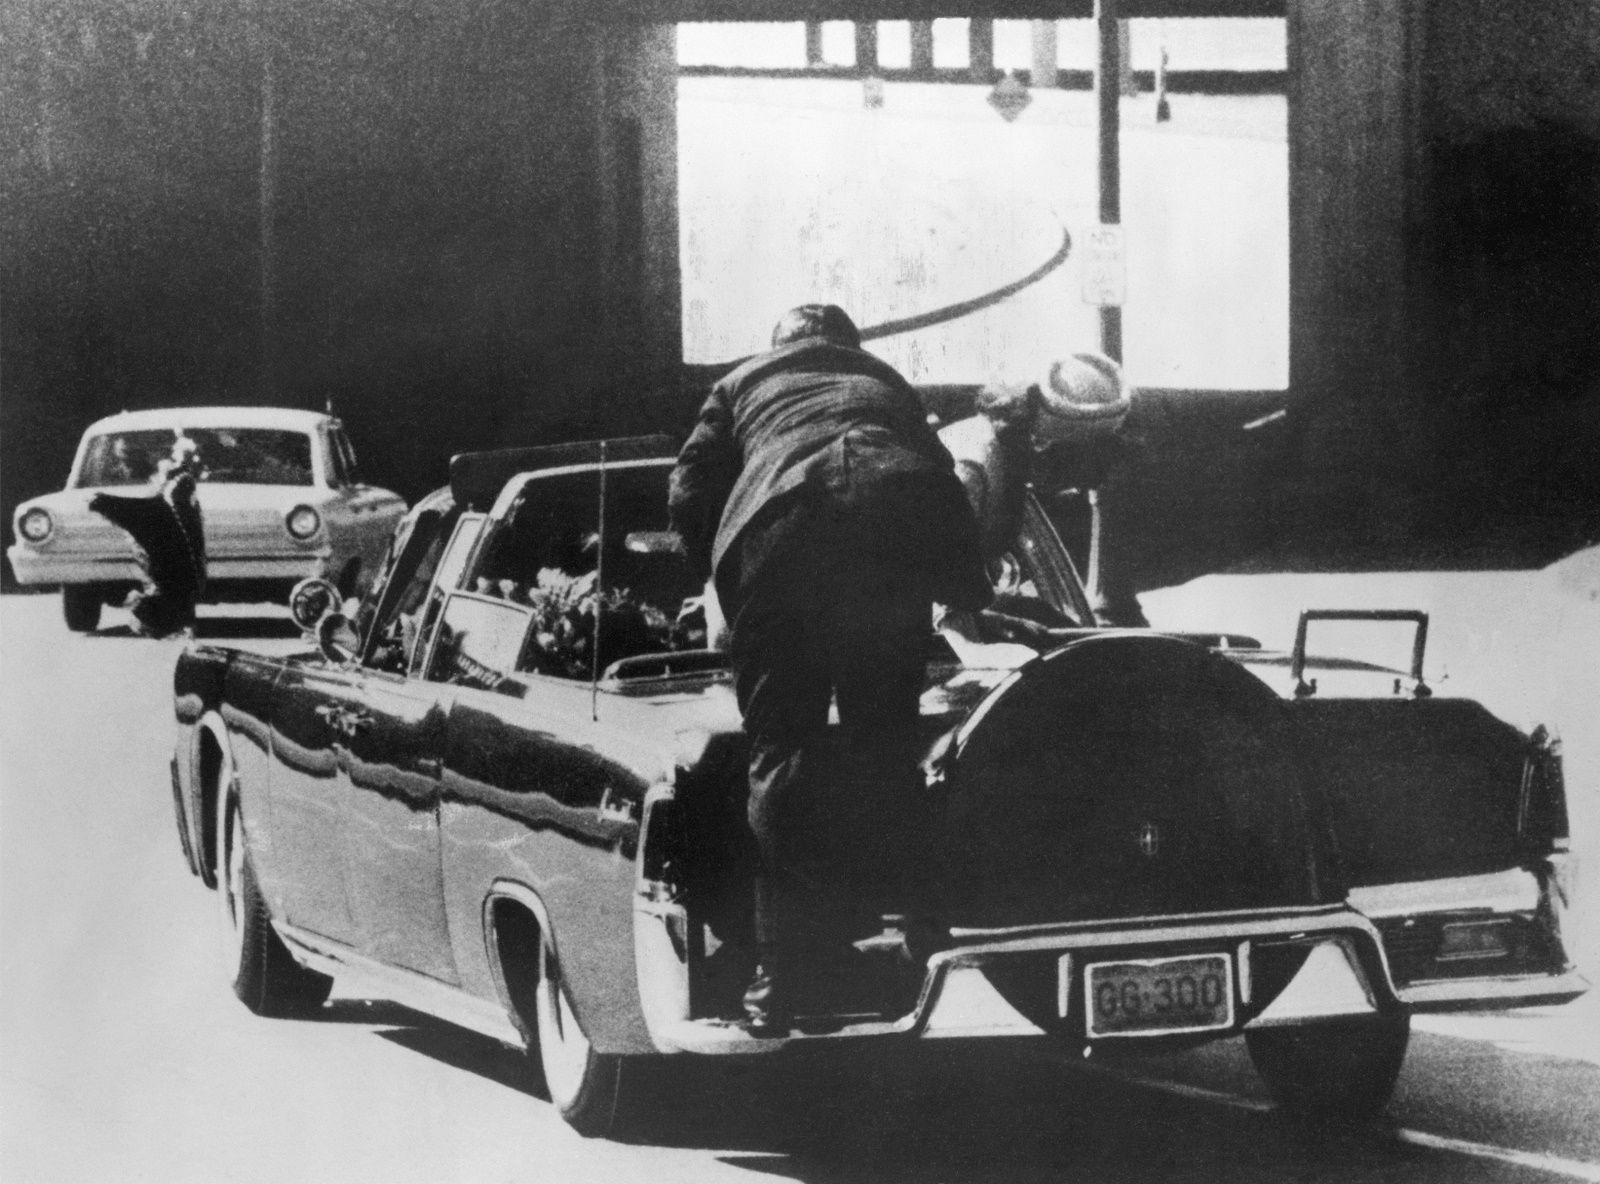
(1159, 996)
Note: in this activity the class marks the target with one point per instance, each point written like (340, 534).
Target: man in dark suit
(815, 493)
(170, 534)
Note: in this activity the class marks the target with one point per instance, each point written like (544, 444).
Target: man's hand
(964, 632)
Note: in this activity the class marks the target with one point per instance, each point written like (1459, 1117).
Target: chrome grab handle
(1419, 644)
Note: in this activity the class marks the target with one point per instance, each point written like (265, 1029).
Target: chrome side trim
(1515, 890)
(429, 995)
(210, 723)
(528, 899)
(1160, 927)
(1493, 993)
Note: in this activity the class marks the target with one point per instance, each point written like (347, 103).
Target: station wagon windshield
(228, 456)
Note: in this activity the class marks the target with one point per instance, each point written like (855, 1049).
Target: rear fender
(1452, 826)
(1428, 789)
(197, 687)
(211, 759)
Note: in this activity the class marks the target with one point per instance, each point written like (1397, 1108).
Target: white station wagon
(279, 492)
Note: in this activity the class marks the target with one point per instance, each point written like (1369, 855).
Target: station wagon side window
(338, 471)
(344, 457)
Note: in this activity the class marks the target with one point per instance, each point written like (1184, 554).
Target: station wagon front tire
(264, 975)
(80, 607)
(1341, 1069)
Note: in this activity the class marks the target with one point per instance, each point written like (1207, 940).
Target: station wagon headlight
(35, 525)
(303, 522)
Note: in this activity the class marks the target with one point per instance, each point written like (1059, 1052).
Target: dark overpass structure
(457, 223)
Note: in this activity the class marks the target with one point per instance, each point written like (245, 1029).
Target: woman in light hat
(1039, 432)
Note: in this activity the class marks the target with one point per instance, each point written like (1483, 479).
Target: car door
(310, 702)
(390, 758)
(527, 734)
(389, 762)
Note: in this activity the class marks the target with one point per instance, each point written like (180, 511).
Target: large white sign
(1105, 267)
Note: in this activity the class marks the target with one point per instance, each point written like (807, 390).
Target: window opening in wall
(894, 45)
(920, 213)
(839, 43)
(951, 48)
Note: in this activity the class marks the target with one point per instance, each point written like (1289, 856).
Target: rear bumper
(1494, 993)
(1528, 966)
(957, 1000)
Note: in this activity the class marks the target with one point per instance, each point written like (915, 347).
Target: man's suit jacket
(840, 423)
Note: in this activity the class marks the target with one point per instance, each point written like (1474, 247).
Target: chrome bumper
(1536, 897)
(1494, 993)
(35, 567)
(957, 1001)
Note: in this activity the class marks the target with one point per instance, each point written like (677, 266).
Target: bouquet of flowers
(563, 635)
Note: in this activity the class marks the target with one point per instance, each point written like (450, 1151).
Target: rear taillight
(1542, 808)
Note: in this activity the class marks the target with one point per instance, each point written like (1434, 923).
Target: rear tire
(593, 1091)
(264, 975)
(1341, 1069)
(80, 606)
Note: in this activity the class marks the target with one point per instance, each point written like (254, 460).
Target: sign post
(1104, 269)
(1108, 93)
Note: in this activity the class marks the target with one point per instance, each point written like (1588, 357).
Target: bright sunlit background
(795, 189)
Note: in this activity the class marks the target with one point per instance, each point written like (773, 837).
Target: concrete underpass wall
(1445, 291)
(456, 222)
(1510, 260)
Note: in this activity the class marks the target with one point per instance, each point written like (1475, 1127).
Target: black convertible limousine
(509, 789)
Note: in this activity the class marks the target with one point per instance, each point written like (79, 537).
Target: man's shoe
(766, 1012)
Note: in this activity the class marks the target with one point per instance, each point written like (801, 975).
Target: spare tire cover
(1126, 775)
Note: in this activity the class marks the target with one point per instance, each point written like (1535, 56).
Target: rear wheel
(80, 605)
(265, 976)
(1344, 1069)
(592, 1090)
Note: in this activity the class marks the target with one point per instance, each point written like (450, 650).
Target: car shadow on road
(211, 629)
(991, 1113)
(214, 628)
(459, 1048)
(975, 1113)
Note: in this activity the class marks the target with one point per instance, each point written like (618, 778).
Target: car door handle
(344, 721)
